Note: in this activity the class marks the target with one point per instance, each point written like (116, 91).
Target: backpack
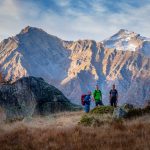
(82, 99)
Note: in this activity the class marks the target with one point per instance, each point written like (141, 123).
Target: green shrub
(86, 120)
(137, 112)
(134, 113)
(102, 110)
(146, 109)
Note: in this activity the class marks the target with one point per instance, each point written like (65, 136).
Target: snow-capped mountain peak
(126, 40)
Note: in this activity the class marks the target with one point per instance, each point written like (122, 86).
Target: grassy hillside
(62, 131)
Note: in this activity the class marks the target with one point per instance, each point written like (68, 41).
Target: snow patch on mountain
(127, 40)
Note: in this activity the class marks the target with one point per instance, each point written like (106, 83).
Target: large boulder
(119, 113)
(31, 95)
(127, 107)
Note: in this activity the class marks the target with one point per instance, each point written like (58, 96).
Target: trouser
(87, 108)
(99, 103)
(113, 101)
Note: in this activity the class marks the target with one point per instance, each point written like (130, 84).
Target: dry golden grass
(126, 135)
(2, 115)
(117, 137)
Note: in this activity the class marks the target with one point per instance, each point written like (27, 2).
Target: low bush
(146, 109)
(86, 120)
(137, 112)
(102, 110)
(134, 113)
(94, 121)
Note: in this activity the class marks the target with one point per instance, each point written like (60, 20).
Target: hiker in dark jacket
(113, 96)
(97, 94)
(87, 101)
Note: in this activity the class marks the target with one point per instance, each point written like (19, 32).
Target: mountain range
(77, 66)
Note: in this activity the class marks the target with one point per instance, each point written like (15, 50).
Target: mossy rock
(102, 110)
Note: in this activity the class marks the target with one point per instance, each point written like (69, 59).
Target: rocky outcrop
(119, 113)
(29, 95)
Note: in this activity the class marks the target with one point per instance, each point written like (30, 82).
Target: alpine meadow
(74, 75)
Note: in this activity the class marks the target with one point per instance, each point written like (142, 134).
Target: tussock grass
(128, 135)
(103, 133)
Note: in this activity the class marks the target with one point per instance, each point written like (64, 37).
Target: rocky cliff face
(77, 66)
(29, 95)
(34, 52)
(92, 64)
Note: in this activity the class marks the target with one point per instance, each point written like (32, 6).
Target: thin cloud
(73, 20)
(64, 3)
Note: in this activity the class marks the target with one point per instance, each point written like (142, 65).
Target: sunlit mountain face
(77, 66)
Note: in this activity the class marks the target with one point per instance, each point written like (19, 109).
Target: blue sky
(75, 19)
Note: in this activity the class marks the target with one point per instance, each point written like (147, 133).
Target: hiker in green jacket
(97, 94)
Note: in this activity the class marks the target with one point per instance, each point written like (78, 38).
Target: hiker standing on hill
(113, 96)
(97, 94)
(87, 101)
